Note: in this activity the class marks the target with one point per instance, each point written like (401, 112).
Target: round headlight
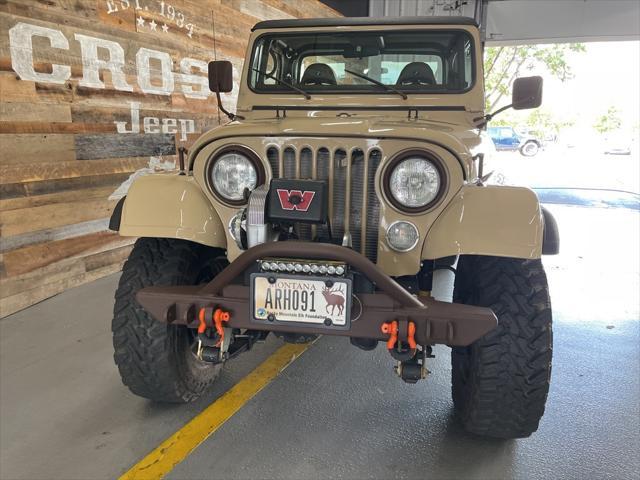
(402, 236)
(415, 182)
(232, 172)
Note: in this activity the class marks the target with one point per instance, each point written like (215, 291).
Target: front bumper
(435, 321)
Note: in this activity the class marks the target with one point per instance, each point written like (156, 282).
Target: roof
(362, 21)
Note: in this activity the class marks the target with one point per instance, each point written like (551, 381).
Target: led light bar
(288, 266)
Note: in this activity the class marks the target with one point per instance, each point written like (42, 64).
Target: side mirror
(220, 76)
(527, 93)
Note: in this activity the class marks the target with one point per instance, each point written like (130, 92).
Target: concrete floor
(337, 411)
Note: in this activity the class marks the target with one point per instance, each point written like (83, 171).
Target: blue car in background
(507, 139)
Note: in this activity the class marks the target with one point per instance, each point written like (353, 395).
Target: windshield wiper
(286, 84)
(376, 82)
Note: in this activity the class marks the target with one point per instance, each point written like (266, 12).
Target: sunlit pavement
(558, 166)
(339, 412)
(342, 413)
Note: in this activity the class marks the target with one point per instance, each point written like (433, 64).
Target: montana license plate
(290, 298)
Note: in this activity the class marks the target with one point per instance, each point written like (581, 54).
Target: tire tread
(505, 387)
(146, 351)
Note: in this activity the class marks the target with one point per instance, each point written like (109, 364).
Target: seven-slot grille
(354, 209)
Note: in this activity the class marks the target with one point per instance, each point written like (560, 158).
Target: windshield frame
(410, 93)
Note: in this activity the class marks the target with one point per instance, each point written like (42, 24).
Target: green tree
(504, 64)
(609, 121)
(544, 123)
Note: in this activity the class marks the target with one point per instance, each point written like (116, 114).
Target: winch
(275, 210)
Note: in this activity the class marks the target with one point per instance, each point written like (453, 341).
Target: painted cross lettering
(190, 80)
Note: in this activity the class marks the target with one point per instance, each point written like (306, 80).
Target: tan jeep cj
(351, 171)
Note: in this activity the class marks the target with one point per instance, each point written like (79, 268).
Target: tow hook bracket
(402, 346)
(401, 343)
(410, 371)
(213, 338)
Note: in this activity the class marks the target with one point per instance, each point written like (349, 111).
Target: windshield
(423, 61)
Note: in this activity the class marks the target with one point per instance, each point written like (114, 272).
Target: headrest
(416, 73)
(318, 74)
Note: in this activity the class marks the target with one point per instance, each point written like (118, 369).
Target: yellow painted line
(179, 445)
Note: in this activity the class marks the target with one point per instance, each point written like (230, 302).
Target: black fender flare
(551, 234)
(114, 221)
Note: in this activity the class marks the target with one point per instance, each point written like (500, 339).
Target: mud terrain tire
(155, 360)
(500, 382)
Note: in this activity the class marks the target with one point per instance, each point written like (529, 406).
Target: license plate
(310, 300)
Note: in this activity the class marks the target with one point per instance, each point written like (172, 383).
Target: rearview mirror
(360, 51)
(526, 93)
(220, 76)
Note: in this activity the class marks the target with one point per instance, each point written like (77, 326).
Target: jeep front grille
(354, 209)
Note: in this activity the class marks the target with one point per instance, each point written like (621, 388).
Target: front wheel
(500, 382)
(530, 149)
(157, 361)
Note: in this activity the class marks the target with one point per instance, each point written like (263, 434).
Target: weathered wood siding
(90, 92)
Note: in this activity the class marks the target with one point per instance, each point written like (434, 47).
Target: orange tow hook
(395, 346)
(391, 329)
(411, 336)
(202, 326)
(219, 316)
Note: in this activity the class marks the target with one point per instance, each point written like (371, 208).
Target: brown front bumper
(436, 322)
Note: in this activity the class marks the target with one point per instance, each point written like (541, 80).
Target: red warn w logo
(295, 199)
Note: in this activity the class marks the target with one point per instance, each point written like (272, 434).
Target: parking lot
(558, 166)
(337, 411)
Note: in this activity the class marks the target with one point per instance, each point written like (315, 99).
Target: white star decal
(153, 25)
(140, 21)
(165, 28)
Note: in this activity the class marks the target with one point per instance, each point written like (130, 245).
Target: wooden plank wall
(92, 91)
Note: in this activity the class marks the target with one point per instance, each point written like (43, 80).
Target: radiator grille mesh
(354, 208)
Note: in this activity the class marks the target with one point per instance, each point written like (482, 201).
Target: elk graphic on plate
(334, 298)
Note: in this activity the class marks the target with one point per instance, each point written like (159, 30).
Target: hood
(458, 138)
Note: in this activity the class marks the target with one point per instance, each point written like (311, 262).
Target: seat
(416, 73)
(318, 74)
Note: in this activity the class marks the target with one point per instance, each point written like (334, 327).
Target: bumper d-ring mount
(213, 337)
(403, 347)
(401, 343)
